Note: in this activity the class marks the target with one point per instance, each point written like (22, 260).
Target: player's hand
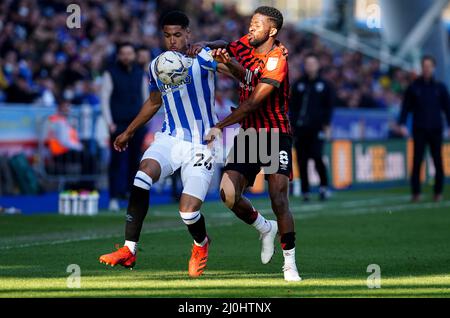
(121, 142)
(283, 49)
(195, 48)
(403, 131)
(213, 134)
(221, 56)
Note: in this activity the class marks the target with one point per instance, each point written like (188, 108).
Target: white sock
(261, 224)
(289, 256)
(190, 217)
(143, 180)
(132, 246)
(202, 243)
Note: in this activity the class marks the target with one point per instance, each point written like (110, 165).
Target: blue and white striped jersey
(189, 106)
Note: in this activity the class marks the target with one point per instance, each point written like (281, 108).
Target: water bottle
(92, 208)
(83, 203)
(64, 203)
(74, 203)
(60, 203)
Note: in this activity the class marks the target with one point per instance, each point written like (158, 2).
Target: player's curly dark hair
(274, 15)
(175, 18)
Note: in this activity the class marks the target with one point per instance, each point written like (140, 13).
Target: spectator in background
(124, 90)
(35, 39)
(46, 87)
(20, 91)
(143, 57)
(311, 107)
(427, 100)
(65, 146)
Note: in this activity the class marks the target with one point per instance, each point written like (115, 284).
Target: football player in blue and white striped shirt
(189, 114)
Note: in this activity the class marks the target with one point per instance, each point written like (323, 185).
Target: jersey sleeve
(152, 83)
(206, 60)
(275, 70)
(234, 46)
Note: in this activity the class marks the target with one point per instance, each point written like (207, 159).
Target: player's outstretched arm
(259, 95)
(227, 65)
(195, 48)
(148, 110)
(257, 98)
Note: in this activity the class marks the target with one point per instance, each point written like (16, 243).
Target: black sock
(288, 241)
(137, 210)
(198, 230)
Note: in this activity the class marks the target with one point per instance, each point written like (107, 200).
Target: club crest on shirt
(272, 63)
(167, 88)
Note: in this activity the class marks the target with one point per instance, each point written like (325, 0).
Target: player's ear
(273, 32)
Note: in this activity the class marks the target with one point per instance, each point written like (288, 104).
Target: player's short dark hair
(124, 44)
(175, 18)
(273, 14)
(429, 57)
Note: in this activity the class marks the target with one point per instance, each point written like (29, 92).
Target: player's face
(428, 68)
(176, 38)
(126, 55)
(311, 66)
(260, 30)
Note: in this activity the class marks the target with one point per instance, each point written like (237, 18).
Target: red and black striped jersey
(270, 68)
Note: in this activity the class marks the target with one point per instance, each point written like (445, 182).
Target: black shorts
(250, 163)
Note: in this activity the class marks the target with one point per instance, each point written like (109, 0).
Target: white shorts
(195, 160)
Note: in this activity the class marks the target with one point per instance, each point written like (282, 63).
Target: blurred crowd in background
(41, 58)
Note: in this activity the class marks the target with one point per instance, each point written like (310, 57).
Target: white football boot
(267, 242)
(291, 273)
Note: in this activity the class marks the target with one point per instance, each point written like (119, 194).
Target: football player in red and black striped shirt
(270, 68)
(264, 97)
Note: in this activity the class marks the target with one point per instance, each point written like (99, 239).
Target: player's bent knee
(227, 198)
(151, 168)
(228, 194)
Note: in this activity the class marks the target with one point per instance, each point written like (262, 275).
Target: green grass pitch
(336, 241)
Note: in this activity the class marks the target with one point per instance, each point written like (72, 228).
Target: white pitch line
(400, 207)
(306, 210)
(304, 207)
(100, 237)
(351, 204)
(299, 208)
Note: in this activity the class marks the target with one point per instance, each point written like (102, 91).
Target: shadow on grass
(281, 290)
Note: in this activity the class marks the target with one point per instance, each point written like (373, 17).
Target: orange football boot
(199, 257)
(122, 256)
